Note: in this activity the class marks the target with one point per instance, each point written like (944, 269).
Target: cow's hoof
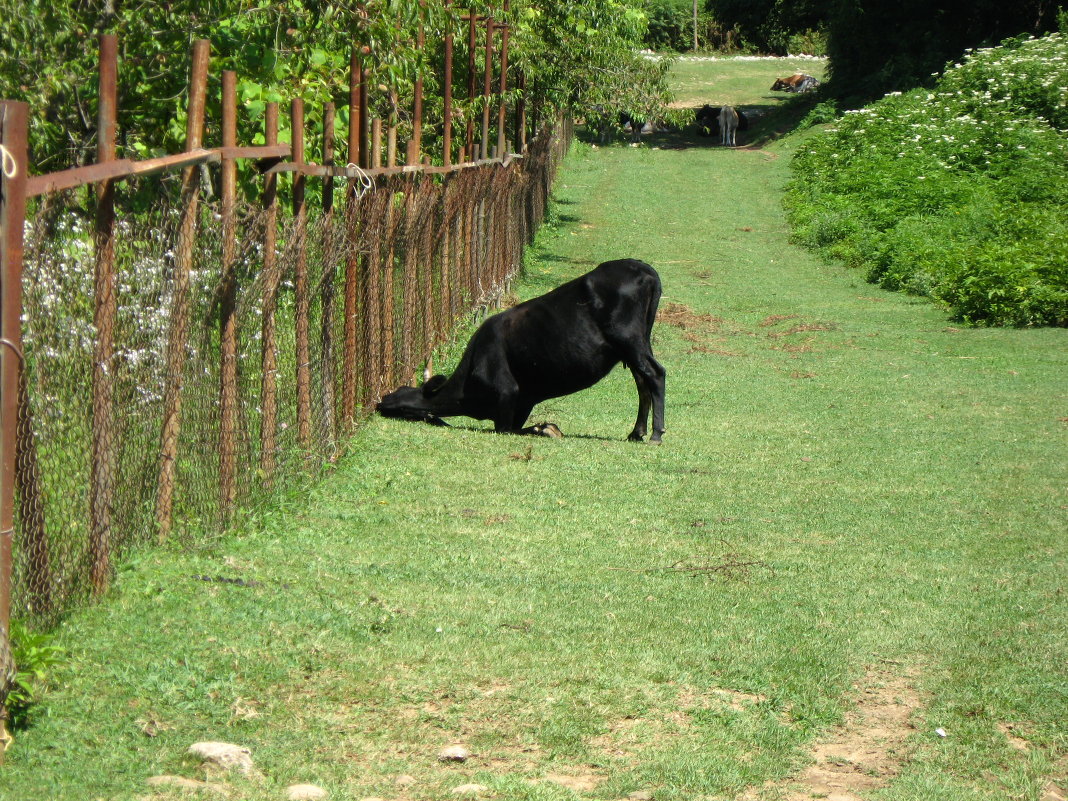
(548, 430)
(634, 436)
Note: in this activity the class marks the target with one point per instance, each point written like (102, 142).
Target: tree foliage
(770, 25)
(877, 46)
(572, 54)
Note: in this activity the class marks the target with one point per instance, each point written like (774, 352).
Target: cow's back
(572, 337)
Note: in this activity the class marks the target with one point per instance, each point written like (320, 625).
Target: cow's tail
(654, 303)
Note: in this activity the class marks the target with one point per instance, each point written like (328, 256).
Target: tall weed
(958, 193)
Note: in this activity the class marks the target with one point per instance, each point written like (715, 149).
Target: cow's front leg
(509, 416)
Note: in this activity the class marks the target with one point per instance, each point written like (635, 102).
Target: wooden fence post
(302, 298)
(268, 337)
(178, 336)
(102, 468)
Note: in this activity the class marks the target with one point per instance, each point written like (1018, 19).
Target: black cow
(564, 341)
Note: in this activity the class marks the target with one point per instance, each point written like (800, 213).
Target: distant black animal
(562, 342)
(707, 118)
(635, 125)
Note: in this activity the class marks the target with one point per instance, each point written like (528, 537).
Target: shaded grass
(903, 481)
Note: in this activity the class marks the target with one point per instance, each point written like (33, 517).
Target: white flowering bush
(957, 192)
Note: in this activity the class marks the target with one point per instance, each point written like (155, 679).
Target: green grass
(898, 483)
(737, 82)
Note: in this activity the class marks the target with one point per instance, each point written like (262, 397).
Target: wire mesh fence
(242, 369)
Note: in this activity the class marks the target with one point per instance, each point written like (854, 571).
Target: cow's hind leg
(649, 377)
(645, 402)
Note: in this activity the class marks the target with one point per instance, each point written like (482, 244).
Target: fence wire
(329, 311)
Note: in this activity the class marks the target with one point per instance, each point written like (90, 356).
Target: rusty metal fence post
(268, 333)
(228, 401)
(502, 135)
(180, 313)
(352, 261)
(13, 175)
(300, 281)
(326, 290)
(102, 467)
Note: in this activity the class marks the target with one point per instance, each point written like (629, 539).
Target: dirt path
(865, 752)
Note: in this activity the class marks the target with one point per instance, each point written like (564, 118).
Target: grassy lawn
(857, 505)
(737, 81)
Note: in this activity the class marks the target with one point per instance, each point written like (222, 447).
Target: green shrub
(821, 114)
(35, 657)
(959, 193)
(812, 42)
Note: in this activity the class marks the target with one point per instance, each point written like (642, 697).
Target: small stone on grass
(454, 753)
(223, 756)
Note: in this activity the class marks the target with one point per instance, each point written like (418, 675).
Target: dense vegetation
(573, 54)
(775, 26)
(958, 192)
(878, 46)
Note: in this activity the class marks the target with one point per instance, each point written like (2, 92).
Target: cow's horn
(428, 369)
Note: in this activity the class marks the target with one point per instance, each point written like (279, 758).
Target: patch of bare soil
(786, 339)
(865, 752)
(578, 782)
(629, 737)
(1056, 785)
(682, 316)
(775, 319)
(700, 329)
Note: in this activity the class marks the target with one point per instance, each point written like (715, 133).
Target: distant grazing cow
(798, 82)
(728, 125)
(635, 125)
(707, 119)
(562, 342)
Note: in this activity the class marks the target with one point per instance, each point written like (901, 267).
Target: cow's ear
(434, 385)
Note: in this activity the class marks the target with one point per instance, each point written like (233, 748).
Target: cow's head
(414, 403)
(780, 85)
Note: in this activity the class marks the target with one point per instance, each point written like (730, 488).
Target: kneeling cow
(553, 345)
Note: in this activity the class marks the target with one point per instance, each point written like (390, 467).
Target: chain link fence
(224, 385)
